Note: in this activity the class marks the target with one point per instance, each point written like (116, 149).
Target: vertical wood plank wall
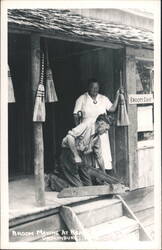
(146, 166)
(20, 148)
(131, 56)
(20, 112)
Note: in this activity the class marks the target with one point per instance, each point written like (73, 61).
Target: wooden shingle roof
(65, 23)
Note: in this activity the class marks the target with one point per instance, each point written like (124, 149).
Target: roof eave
(54, 34)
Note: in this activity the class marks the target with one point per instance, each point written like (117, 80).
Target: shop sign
(140, 99)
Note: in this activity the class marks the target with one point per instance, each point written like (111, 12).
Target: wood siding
(138, 161)
(145, 167)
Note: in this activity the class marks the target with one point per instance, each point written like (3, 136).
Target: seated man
(80, 142)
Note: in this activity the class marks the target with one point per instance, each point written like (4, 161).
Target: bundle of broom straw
(122, 115)
(50, 95)
(39, 113)
(11, 95)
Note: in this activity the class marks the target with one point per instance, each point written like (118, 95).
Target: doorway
(72, 65)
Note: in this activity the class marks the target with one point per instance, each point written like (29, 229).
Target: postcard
(80, 125)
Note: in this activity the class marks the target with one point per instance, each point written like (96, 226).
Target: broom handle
(42, 69)
(46, 52)
(121, 83)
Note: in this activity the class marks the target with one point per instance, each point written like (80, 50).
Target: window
(144, 77)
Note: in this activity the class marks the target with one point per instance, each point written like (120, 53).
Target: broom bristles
(122, 115)
(51, 95)
(11, 96)
(39, 113)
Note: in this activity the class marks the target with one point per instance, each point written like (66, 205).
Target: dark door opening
(72, 65)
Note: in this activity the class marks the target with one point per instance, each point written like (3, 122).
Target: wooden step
(98, 211)
(120, 229)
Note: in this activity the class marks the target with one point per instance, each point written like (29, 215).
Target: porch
(26, 218)
(22, 203)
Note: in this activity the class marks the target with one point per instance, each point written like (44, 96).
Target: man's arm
(98, 154)
(71, 140)
(71, 143)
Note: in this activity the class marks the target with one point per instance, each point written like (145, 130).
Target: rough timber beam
(38, 145)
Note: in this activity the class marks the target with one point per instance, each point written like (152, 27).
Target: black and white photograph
(82, 98)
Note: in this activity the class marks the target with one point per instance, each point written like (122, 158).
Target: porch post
(38, 145)
(132, 128)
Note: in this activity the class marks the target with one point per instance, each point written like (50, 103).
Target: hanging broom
(50, 95)
(122, 115)
(39, 113)
(11, 96)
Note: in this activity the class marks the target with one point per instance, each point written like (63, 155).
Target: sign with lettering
(140, 99)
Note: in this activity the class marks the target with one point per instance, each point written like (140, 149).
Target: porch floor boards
(22, 199)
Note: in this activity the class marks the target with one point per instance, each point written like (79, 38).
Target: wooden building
(82, 44)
